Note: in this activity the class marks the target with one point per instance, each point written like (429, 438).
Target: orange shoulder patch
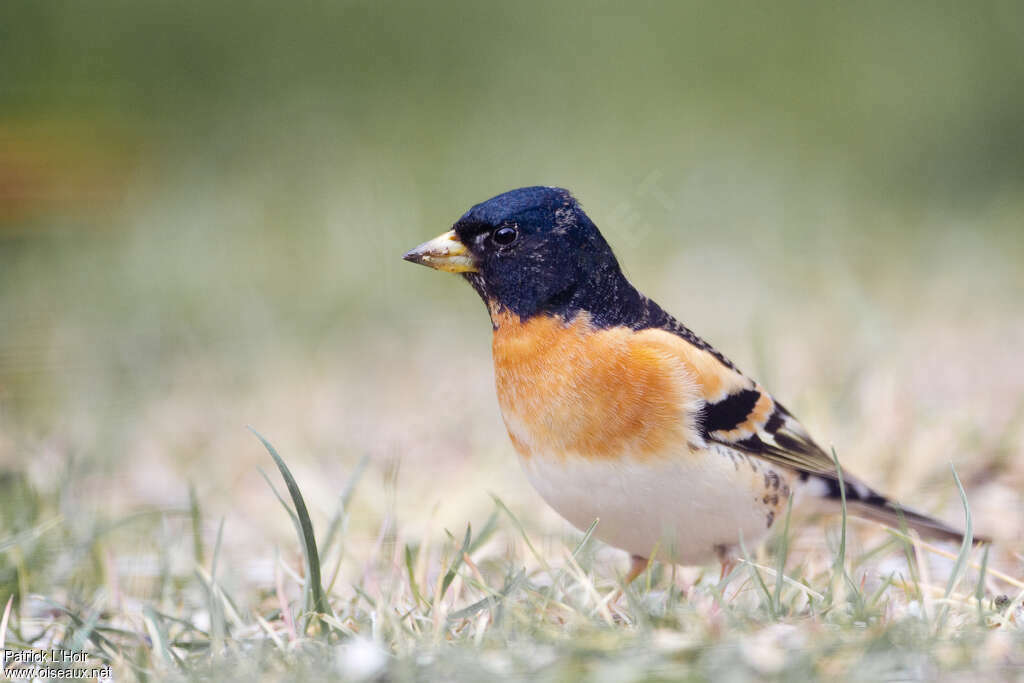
(714, 379)
(569, 388)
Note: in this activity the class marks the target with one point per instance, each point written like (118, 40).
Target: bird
(620, 413)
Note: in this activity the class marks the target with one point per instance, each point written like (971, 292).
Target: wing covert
(739, 413)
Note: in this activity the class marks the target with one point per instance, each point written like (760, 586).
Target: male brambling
(619, 412)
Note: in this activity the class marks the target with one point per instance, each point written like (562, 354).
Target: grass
(490, 604)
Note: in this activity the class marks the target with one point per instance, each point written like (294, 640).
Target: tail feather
(863, 501)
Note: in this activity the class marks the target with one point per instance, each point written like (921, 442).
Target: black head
(532, 251)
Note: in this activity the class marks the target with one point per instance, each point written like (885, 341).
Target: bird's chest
(567, 389)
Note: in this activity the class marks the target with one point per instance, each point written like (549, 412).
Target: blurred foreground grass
(492, 605)
(202, 211)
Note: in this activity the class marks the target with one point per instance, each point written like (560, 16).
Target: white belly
(682, 507)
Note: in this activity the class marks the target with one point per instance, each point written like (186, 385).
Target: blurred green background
(203, 207)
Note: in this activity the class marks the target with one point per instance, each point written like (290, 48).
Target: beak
(444, 252)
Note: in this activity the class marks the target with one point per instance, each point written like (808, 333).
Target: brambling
(617, 410)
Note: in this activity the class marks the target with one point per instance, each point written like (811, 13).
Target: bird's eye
(504, 236)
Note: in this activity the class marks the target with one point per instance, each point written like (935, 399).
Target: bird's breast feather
(569, 388)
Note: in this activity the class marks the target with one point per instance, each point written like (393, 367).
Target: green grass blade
(307, 538)
(450, 575)
(757, 575)
(283, 502)
(965, 546)
(157, 635)
(216, 610)
(962, 556)
(86, 629)
(306, 594)
(511, 584)
(522, 532)
(334, 526)
(490, 526)
(365, 596)
(979, 591)
(586, 537)
(30, 534)
(216, 550)
(840, 561)
(781, 565)
(98, 638)
(197, 524)
(412, 577)
(4, 621)
(883, 586)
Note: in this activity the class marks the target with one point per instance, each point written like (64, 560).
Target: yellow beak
(444, 252)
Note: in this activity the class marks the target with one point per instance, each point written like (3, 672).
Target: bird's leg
(727, 567)
(636, 568)
(727, 557)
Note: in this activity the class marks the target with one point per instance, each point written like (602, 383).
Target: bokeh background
(203, 206)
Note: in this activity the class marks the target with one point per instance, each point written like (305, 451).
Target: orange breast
(568, 388)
